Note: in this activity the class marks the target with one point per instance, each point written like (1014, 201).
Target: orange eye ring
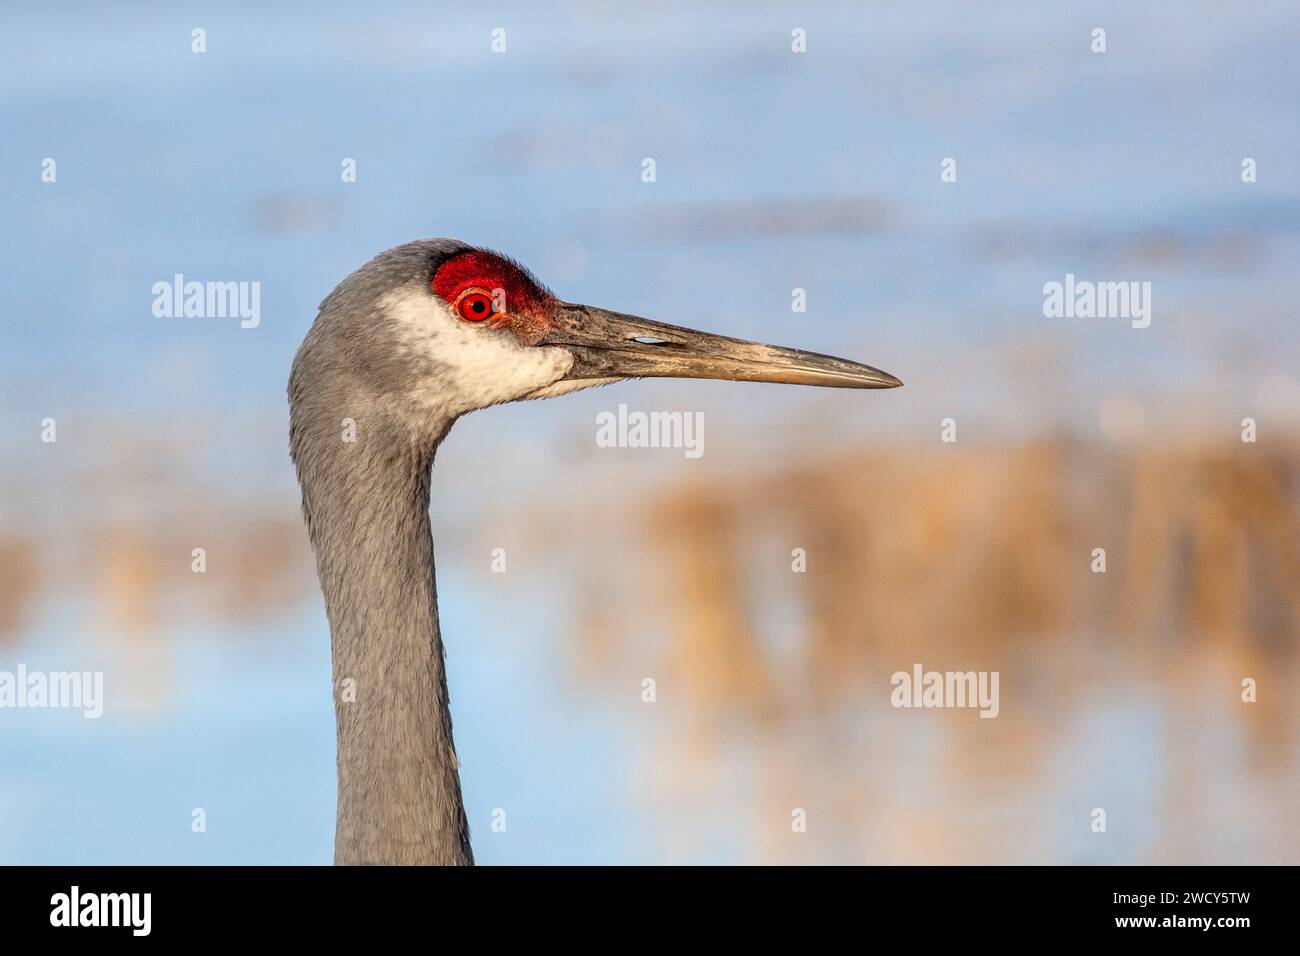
(474, 305)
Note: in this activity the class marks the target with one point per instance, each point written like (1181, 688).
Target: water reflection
(1119, 690)
(777, 682)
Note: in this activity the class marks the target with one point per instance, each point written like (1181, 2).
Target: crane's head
(455, 327)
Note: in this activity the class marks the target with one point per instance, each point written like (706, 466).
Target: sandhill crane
(405, 345)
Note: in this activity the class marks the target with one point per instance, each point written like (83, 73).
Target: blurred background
(775, 171)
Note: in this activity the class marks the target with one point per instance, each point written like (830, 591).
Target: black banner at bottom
(305, 904)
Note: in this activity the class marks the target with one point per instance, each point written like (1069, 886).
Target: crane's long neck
(399, 798)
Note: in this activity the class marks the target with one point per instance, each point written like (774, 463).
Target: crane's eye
(474, 305)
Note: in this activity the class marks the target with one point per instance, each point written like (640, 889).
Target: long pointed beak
(608, 345)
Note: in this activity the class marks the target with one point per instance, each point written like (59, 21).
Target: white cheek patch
(571, 385)
(471, 366)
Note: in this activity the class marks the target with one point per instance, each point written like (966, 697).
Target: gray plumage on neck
(402, 348)
(366, 504)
